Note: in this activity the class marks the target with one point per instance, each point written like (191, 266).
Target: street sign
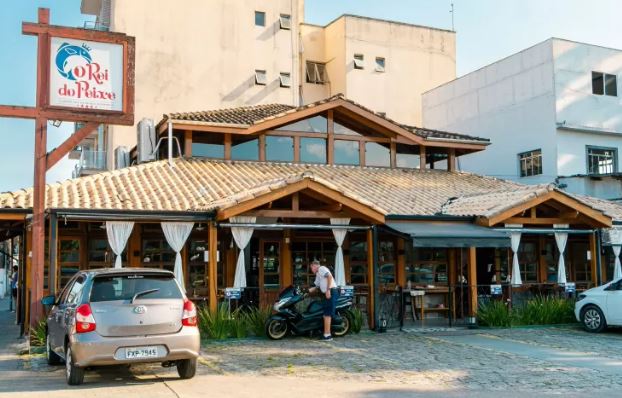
(233, 293)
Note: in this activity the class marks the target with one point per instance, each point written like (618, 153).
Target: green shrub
(495, 314)
(38, 334)
(215, 324)
(238, 324)
(256, 319)
(357, 320)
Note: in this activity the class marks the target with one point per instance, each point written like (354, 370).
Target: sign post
(82, 76)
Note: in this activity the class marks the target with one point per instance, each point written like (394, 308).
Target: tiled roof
(203, 185)
(251, 115)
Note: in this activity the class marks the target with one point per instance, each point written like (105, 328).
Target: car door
(54, 319)
(68, 309)
(613, 295)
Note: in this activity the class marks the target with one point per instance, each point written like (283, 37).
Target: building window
(312, 150)
(427, 266)
(359, 61)
(203, 150)
(530, 163)
(285, 21)
(260, 77)
(279, 149)
(603, 83)
(358, 262)
(316, 73)
(248, 150)
(260, 18)
(285, 79)
(601, 160)
(316, 124)
(68, 258)
(158, 254)
(386, 265)
(379, 64)
(347, 152)
(378, 155)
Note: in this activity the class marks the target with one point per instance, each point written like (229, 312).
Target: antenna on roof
(452, 17)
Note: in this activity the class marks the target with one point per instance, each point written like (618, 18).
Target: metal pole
(170, 144)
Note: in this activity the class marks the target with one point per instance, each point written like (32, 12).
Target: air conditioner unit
(146, 142)
(122, 157)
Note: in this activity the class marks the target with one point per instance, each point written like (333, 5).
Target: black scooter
(287, 318)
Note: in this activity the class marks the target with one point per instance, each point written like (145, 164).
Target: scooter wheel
(276, 328)
(346, 324)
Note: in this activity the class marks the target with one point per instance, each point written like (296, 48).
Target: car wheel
(50, 355)
(593, 319)
(276, 328)
(187, 368)
(75, 375)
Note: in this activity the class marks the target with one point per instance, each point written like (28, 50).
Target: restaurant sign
(86, 74)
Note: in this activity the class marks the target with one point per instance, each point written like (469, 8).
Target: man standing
(325, 282)
(13, 302)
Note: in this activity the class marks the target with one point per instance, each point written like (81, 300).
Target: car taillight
(85, 322)
(189, 318)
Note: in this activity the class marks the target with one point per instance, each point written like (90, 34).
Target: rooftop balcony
(90, 162)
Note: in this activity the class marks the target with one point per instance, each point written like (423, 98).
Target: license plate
(141, 352)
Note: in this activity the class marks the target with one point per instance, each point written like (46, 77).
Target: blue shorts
(331, 304)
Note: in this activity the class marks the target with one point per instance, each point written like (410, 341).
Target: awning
(451, 234)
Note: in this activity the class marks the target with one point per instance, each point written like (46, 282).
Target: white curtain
(340, 235)
(118, 233)
(176, 234)
(515, 242)
(561, 238)
(617, 269)
(241, 235)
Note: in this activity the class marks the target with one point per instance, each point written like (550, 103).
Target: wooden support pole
(472, 279)
(286, 259)
(393, 149)
(593, 259)
(451, 160)
(227, 146)
(213, 265)
(188, 143)
(262, 148)
(371, 316)
(422, 159)
(330, 142)
(53, 250)
(401, 263)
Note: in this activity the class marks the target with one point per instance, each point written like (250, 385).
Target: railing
(90, 161)
(96, 26)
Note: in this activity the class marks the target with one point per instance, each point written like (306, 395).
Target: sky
(487, 30)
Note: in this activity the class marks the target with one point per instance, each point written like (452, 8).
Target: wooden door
(269, 271)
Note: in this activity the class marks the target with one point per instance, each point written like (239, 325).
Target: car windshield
(124, 287)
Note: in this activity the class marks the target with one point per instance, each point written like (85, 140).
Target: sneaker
(326, 338)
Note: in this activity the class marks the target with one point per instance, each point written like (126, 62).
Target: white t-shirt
(321, 279)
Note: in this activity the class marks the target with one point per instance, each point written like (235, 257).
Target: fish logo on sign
(65, 52)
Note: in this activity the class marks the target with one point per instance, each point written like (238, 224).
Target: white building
(552, 112)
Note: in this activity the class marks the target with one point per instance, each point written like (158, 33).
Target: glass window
(124, 287)
(603, 83)
(285, 21)
(426, 266)
(69, 259)
(601, 160)
(359, 61)
(387, 259)
(407, 156)
(316, 124)
(216, 151)
(530, 163)
(379, 64)
(316, 73)
(347, 152)
(260, 18)
(312, 150)
(377, 155)
(158, 254)
(73, 297)
(285, 79)
(358, 262)
(343, 130)
(279, 149)
(528, 261)
(248, 150)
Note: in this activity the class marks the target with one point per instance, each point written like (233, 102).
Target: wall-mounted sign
(86, 74)
(233, 293)
(346, 291)
(495, 290)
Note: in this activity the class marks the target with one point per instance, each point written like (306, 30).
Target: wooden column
(422, 160)
(542, 267)
(213, 265)
(370, 280)
(53, 250)
(184, 264)
(346, 260)
(26, 291)
(593, 259)
(262, 148)
(134, 249)
(362, 153)
(451, 160)
(472, 279)
(393, 154)
(330, 142)
(188, 143)
(452, 267)
(400, 271)
(286, 259)
(227, 146)
(296, 149)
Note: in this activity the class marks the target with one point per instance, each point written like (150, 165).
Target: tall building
(227, 54)
(552, 113)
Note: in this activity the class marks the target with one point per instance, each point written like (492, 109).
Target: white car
(600, 307)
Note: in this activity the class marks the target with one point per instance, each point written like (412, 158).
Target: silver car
(122, 316)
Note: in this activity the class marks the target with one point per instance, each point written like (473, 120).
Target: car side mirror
(48, 300)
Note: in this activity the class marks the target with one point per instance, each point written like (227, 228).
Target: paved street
(482, 363)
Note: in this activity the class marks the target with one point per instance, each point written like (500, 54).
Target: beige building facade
(226, 54)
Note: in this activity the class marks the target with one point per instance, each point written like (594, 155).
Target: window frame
(359, 61)
(261, 77)
(285, 21)
(520, 162)
(381, 68)
(320, 76)
(588, 148)
(603, 88)
(285, 79)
